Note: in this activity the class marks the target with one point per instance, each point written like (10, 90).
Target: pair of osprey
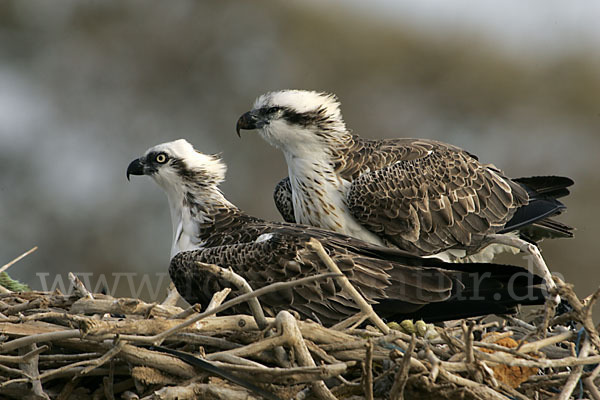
(391, 213)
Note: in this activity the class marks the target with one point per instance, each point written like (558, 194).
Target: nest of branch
(93, 346)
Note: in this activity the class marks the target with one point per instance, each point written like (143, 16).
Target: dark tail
(533, 220)
(479, 289)
(547, 186)
(503, 303)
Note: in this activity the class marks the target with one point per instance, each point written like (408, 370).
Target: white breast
(319, 199)
(185, 229)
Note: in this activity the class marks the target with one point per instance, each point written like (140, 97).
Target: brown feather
(420, 187)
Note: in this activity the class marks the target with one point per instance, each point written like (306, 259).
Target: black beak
(136, 167)
(248, 121)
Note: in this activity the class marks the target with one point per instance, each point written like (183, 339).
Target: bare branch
(368, 372)
(79, 286)
(172, 296)
(239, 299)
(19, 258)
(242, 285)
(397, 392)
(365, 307)
(218, 298)
(42, 337)
(569, 386)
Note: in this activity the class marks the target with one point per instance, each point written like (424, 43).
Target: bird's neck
(319, 190)
(322, 158)
(194, 214)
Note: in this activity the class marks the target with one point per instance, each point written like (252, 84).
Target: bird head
(295, 119)
(190, 179)
(177, 165)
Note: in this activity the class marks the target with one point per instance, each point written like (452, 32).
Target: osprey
(207, 228)
(423, 196)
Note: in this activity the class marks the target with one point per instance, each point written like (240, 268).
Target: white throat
(187, 217)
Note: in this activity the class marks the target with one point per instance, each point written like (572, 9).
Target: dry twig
(102, 338)
(17, 259)
(365, 307)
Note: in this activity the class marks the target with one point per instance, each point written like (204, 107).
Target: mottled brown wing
(284, 257)
(362, 155)
(439, 198)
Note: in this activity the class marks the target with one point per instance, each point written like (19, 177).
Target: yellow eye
(161, 158)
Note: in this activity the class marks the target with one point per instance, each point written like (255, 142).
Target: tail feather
(478, 289)
(547, 186)
(533, 219)
(546, 229)
(533, 212)
(499, 302)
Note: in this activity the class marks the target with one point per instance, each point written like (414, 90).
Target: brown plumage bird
(423, 196)
(209, 229)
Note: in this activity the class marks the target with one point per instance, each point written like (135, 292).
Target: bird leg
(538, 261)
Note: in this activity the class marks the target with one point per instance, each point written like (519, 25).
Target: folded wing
(442, 199)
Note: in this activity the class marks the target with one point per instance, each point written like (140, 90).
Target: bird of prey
(422, 196)
(208, 228)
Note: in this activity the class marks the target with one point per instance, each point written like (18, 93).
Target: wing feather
(283, 200)
(431, 196)
(284, 257)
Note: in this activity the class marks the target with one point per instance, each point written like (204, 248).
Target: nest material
(92, 346)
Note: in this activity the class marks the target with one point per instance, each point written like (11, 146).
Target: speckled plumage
(419, 195)
(397, 283)
(282, 195)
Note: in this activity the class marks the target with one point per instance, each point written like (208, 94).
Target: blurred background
(87, 86)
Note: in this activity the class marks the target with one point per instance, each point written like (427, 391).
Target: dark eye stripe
(314, 117)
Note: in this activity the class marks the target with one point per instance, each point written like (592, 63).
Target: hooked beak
(136, 167)
(249, 120)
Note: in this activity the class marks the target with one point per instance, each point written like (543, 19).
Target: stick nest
(94, 346)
